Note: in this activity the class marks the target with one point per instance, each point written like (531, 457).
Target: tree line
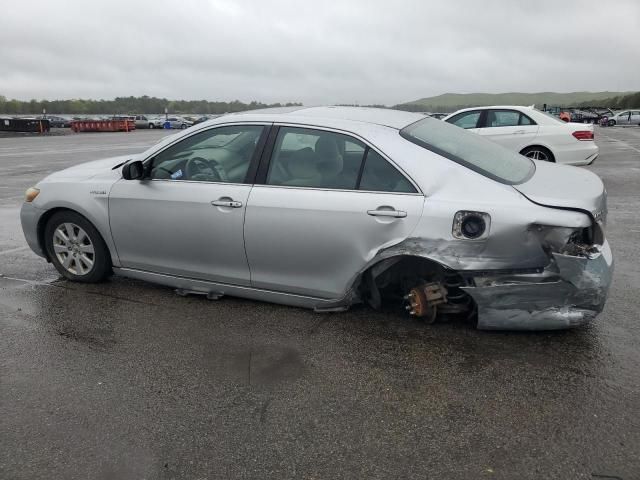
(128, 105)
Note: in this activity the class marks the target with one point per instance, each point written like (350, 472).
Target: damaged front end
(570, 291)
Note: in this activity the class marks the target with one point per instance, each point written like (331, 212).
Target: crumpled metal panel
(575, 298)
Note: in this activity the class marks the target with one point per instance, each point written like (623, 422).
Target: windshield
(471, 150)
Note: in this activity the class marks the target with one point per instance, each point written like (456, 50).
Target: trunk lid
(563, 186)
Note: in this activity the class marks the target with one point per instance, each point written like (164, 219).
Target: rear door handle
(387, 213)
(226, 202)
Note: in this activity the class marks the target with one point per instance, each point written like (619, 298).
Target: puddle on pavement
(266, 364)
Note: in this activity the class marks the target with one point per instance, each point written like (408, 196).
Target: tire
(611, 123)
(76, 248)
(151, 126)
(538, 153)
(183, 126)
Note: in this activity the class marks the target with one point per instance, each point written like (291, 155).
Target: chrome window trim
(321, 189)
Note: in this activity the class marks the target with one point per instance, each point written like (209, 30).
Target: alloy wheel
(73, 248)
(537, 155)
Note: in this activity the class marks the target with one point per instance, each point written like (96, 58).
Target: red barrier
(103, 125)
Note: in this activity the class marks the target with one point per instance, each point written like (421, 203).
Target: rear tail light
(583, 135)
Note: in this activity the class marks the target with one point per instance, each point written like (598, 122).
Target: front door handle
(387, 213)
(518, 132)
(226, 202)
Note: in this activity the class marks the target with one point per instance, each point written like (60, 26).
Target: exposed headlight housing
(470, 225)
(31, 194)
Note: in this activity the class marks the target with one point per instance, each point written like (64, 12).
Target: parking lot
(128, 380)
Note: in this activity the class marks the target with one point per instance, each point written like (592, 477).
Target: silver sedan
(328, 207)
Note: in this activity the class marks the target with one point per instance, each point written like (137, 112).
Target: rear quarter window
(470, 150)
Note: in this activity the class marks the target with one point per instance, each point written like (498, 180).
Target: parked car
(142, 121)
(157, 122)
(58, 122)
(438, 116)
(626, 117)
(532, 133)
(327, 207)
(177, 122)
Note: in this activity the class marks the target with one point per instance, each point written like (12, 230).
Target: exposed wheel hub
(424, 299)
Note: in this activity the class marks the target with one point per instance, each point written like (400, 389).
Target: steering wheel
(205, 168)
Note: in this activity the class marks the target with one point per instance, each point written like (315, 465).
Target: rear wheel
(76, 248)
(611, 123)
(538, 153)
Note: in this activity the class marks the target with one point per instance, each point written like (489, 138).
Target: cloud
(315, 52)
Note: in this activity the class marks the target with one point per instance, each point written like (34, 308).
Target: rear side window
(507, 118)
(379, 175)
(465, 119)
(304, 157)
(471, 150)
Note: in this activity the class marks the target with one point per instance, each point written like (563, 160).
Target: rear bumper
(576, 153)
(570, 292)
(29, 218)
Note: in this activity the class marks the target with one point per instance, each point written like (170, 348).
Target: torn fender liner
(575, 298)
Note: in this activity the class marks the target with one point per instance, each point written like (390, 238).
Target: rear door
(325, 205)
(635, 117)
(509, 128)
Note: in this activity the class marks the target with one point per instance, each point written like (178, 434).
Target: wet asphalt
(126, 380)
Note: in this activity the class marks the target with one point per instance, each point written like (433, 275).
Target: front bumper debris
(570, 292)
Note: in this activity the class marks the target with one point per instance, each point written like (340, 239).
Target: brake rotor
(424, 299)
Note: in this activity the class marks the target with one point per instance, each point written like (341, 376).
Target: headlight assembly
(31, 194)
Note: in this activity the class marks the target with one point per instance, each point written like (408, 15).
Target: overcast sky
(315, 51)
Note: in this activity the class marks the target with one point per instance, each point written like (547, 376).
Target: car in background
(328, 207)
(176, 122)
(626, 117)
(57, 122)
(438, 116)
(534, 134)
(157, 121)
(142, 121)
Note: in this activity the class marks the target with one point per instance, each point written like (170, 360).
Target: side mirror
(133, 170)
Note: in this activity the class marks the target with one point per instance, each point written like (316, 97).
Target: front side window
(220, 154)
(465, 119)
(471, 150)
(305, 157)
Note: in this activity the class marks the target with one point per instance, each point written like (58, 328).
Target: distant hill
(450, 102)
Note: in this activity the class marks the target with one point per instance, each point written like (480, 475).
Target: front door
(322, 214)
(186, 217)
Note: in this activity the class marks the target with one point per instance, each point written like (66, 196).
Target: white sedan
(532, 133)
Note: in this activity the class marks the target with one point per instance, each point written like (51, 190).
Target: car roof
(396, 119)
(499, 107)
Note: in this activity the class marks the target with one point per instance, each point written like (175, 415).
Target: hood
(90, 169)
(563, 186)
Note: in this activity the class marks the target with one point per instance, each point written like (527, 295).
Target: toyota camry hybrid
(327, 207)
